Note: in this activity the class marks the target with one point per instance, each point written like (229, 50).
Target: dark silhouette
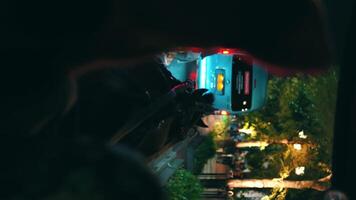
(67, 81)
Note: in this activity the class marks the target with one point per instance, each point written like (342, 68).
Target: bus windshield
(241, 94)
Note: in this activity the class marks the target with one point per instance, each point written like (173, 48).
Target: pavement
(172, 158)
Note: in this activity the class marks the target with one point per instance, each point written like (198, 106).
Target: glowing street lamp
(299, 170)
(230, 193)
(297, 147)
(246, 130)
(302, 135)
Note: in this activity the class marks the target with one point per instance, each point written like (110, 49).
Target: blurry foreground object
(41, 41)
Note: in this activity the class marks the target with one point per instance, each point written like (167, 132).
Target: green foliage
(297, 103)
(184, 186)
(220, 131)
(304, 194)
(324, 98)
(203, 153)
(272, 154)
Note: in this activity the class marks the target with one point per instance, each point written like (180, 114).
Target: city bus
(237, 82)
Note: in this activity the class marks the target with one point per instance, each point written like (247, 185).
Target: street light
(297, 147)
(299, 170)
(230, 193)
(301, 135)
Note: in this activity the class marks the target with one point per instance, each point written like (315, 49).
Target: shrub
(203, 153)
(183, 185)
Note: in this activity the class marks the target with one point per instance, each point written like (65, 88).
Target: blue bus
(237, 82)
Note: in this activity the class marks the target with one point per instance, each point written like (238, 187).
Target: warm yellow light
(223, 112)
(247, 131)
(220, 82)
(265, 198)
(220, 77)
(230, 193)
(298, 147)
(299, 170)
(302, 135)
(220, 87)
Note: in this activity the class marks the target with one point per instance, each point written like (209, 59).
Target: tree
(294, 104)
(203, 153)
(184, 185)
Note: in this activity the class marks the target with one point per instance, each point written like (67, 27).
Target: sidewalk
(170, 160)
